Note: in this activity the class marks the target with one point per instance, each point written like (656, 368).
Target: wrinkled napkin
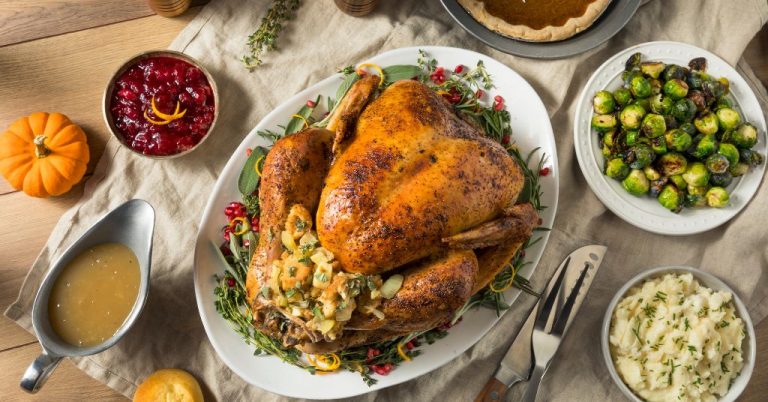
(313, 46)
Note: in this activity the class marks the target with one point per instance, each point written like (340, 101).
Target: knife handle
(494, 391)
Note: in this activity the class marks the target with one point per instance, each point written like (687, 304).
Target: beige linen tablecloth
(321, 39)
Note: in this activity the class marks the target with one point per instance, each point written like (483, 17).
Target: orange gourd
(43, 154)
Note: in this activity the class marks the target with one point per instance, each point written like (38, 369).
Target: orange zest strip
(378, 69)
(256, 165)
(298, 116)
(507, 284)
(156, 122)
(328, 363)
(402, 353)
(164, 116)
(244, 225)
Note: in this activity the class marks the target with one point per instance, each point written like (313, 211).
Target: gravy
(94, 294)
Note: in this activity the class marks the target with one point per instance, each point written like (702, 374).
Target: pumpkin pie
(536, 20)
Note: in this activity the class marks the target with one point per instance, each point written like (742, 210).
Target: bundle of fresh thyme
(464, 88)
(265, 37)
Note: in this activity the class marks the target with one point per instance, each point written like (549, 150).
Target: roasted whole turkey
(382, 224)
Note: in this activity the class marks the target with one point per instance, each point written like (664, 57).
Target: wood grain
(67, 73)
(25, 20)
(493, 391)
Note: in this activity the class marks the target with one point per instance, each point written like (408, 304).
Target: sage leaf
(349, 80)
(297, 124)
(249, 177)
(401, 72)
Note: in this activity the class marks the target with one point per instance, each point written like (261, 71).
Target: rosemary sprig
(265, 37)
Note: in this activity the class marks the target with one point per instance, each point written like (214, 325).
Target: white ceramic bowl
(708, 280)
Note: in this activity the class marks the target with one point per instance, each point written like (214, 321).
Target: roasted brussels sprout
(606, 151)
(698, 64)
(636, 183)
(730, 152)
(604, 102)
(603, 122)
(678, 181)
(750, 157)
(689, 128)
(661, 104)
(723, 102)
(698, 99)
(653, 125)
(640, 87)
(656, 86)
(675, 72)
(696, 196)
(672, 164)
(728, 118)
(706, 124)
(622, 96)
(696, 175)
(705, 146)
(745, 136)
(739, 169)
(670, 121)
(633, 62)
(631, 137)
(652, 68)
(608, 138)
(717, 197)
(659, 145)
(721, 179)
(631, 116)
(671, 198)
(639, 156)
(676, 89)
(684, 110)
(696, 79)
(717, 163)
(616, 169)
(644, 103)
(714, 89)
(651, 173)
(678, 140)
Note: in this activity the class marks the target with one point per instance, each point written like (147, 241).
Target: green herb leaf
(349, 80)
(297, 124)
(401, 72)
(249, 178)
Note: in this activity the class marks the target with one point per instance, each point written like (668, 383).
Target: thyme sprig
(265, 37)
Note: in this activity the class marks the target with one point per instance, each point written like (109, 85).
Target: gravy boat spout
(131, 224)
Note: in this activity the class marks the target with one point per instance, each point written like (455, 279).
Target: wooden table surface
(57, 55)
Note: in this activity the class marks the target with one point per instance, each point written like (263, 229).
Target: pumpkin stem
(40, 149)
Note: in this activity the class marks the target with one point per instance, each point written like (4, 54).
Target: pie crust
(549, 33)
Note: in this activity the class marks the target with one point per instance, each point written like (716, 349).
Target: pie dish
(533, 21)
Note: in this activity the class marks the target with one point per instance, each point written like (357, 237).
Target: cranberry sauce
(171, 82)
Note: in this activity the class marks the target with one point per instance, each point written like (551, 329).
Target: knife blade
(517, 363)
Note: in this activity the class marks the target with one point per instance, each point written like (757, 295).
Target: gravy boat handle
(39, 371)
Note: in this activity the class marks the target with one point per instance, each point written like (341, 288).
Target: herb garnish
(265, 37)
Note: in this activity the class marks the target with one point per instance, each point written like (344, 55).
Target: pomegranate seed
(225, 249)
(248, 151)
(246, 243)
(310, 103)
(505, 139)
(544, 171)
(439, 70)
(255, 224)
(372, 353)
(409, 345)
(231, 282)
(227, 231)
(498, 106)
(479, 94)
(498, 98)
(437, 78)
(458, 69)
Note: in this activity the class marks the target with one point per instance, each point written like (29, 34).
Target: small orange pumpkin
(43, 154)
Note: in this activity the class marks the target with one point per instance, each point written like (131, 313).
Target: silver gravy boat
(131, 224)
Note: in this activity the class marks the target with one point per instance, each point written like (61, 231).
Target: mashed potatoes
(672, 339)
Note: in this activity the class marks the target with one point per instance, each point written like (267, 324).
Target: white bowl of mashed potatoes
(678, 334)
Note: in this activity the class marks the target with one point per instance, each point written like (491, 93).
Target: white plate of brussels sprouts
(670, 138)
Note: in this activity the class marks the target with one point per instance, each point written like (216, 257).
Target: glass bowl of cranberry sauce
(161, 104)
